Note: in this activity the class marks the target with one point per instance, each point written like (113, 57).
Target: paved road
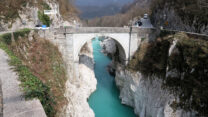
(5, 32)
(14, 104)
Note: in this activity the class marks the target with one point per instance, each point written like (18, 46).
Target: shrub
(46, 6)
(21, 33)
(32, 86)
(7, 38)
(45, 19)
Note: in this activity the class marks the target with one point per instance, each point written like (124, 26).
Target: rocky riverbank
(79, 89)
(154, 82)
(145, 95)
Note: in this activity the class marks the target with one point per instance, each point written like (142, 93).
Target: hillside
(128, 12)
(40, 68)
(89, 12)
(187, 15)
(25, 13)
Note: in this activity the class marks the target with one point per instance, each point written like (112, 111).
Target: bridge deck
(99, 30)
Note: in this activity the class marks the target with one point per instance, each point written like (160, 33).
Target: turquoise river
(105, 100)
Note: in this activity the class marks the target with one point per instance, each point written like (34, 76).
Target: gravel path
(14, 105)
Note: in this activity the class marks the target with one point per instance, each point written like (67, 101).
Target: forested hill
(130, 11)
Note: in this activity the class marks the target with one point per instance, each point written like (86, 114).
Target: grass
(31, 85)
(7, 38)
(21, 33)
(41, 69)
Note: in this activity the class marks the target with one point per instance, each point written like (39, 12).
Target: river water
(105, 100)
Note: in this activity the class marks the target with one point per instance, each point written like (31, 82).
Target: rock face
(28, 18)
(81, 85)
(146, 96)
(79, 89)
(175, 22)
(184, 15)
(108, 46)
(151, 83)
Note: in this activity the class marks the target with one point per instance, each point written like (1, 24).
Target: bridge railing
(99, 30)
(193, 34)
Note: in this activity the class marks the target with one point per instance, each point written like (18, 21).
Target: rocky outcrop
(184, 15)
(163, 77)
(28, 17)
(79, 89)
(108, 46)
(145, 95)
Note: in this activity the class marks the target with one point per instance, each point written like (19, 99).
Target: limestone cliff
(27, 14)
(145, 95)
(165, 77)
(80, 88)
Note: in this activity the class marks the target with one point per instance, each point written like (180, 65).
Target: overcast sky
(100, 2)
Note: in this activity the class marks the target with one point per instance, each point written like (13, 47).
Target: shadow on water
(105, 100)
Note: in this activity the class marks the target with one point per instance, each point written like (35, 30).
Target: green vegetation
(189, 58)
(151, 58)
(7, 38)
(191, 83)
(45, 19)
(46, 6)
(31, 85)
(21, 33)
(142, 39)
(41, 69)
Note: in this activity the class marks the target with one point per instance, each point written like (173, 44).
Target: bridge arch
(122, 43)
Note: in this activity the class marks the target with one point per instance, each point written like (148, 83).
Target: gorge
(105, 100)
(160, 71)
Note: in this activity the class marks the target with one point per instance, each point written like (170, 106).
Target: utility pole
(130, 42)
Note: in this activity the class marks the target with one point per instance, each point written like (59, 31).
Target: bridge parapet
(72, 30)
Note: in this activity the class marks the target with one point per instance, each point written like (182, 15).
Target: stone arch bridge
(70, 40)
(127, 39)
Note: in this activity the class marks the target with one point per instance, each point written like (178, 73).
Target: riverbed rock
(108, 46)
(79, 89)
